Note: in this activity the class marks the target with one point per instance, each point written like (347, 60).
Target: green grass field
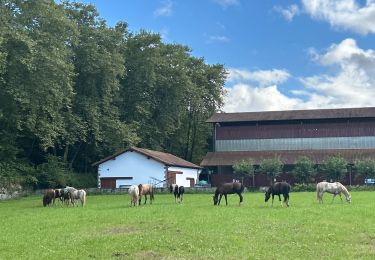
(107, 228)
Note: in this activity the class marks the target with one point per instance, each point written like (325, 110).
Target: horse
(228, 188)
(59, 194)
(335, 188)
(77, 194)
(48, 197)
(278, 188)
(178, 192)
(134, 195)
(145, 189)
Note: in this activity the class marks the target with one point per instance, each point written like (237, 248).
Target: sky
(279, 55)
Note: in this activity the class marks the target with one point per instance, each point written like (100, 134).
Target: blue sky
(280, 55)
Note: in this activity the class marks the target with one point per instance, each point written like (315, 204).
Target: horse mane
(344, 189)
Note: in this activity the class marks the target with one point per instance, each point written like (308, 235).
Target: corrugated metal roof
(165, 158)
(364, 112)
(287, 157)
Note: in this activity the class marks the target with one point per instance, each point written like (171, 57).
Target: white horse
(335, 188)
(134, 195)
(75, 194)
(78, 194)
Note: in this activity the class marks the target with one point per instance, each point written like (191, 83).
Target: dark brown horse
(228, 188)
(178, 192)
(48, 197)
(145, 189)
(278, 188)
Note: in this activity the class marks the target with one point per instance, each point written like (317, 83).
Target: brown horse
(228, 188)
(145, 189)
(278, 188)
(48, 197)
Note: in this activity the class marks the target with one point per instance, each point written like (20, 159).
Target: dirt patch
(149, 255)
(121, 255)
(118, 231)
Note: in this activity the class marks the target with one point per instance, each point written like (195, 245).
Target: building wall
(131, 165)
(296, 135)
(188, 178)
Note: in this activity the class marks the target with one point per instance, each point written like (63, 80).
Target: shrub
(304, 187)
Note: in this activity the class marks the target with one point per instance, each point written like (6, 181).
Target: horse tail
(152, 193)
(83, 198)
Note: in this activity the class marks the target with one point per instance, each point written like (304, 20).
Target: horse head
(215, 198)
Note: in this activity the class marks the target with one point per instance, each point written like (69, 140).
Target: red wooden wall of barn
(297, 129)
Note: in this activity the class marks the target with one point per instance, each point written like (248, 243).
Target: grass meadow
(107, 228)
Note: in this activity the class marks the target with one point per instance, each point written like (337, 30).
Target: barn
(317, 134)
(138, 165)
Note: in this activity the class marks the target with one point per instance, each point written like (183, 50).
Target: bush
(304, 187)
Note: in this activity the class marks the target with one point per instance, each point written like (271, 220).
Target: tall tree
(99, 65)
(271, 167)
(303, 169)
(334, 167)
(245, 167)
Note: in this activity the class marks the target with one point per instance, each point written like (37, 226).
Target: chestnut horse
(228, 188)
(146, 189)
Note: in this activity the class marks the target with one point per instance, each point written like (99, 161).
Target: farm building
(137, 165)
(317, 134)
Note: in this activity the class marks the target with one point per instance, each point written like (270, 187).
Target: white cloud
(345, 14)
(217, 38)
(288, 12)
(227, 3)
(165, 10)
(261, 77)
(349, 83)
(243, 97)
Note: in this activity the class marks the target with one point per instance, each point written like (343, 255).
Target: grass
(107, 228)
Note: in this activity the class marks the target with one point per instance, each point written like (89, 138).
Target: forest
(74, 90)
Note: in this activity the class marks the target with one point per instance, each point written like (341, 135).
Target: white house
(138, 165)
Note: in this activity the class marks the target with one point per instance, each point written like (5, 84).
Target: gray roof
(364, 112)
(165, 158)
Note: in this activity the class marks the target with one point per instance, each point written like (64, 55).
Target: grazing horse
(59, 194)
(278, 188)
(145, 189)
(77, 195)
(48, 197)
(228, 188)
(178, 192)
(134, 195)
(335, 188)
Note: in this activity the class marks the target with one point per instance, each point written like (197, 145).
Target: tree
(271, 167)
(334, 167)
(303, 170)
(245, 167)
(365, 167)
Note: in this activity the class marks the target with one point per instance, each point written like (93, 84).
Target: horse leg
(340, 197)
(145, 199)
(281, 203)
(286, 199)
(272, 199)
(221, 195)
(241, 198)
(334, 195)
(226, 201)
